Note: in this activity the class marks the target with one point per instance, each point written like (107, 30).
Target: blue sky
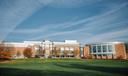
(83, 20)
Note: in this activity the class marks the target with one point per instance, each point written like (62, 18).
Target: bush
(28, 52)
(5, 55)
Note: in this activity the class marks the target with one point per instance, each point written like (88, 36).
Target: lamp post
(52, 49)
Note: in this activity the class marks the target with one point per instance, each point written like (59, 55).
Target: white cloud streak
(72, 3)
(18, 13)
(109, 36)
(96, 21)
(12, 13)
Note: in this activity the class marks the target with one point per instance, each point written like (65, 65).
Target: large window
(99, 48)
(104, 48)
(94, 49)
(67, 49)
(109, 48)
(71, 49)
(62, 49)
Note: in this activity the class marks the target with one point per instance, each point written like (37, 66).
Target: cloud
(72, 3)
(12, 13)
(105, 16)
(93, 28)
(109, 36)
(53, 34)
(29, 31)
(104, 21)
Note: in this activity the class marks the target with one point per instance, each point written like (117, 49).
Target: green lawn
(64, 67)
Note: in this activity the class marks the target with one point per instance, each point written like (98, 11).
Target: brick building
(46, 48)
(108, 50)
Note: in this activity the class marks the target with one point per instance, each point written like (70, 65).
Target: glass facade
(102, 49)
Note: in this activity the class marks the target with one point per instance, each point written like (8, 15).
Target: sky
(58, 20)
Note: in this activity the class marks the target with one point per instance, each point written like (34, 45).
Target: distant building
(46, 48)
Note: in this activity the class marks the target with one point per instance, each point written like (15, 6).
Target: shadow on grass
(28, 72)
(23, 72)
(105, 69)
(87, 70)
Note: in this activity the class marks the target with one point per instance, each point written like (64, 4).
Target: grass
(64, 67)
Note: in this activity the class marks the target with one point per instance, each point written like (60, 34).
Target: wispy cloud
(103, 21)
(109, 36)
(12, 13)
(108, 25)
(72, 3)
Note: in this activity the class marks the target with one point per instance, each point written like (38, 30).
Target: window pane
(71, 49)
(110, 48)
(104, 54)
(104, 48)
(67, 48)
(99, 48)
(99, 54)
(62, 49)
(94, 49)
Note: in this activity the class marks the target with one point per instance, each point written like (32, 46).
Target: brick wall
(120, 51)
(87, 52)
